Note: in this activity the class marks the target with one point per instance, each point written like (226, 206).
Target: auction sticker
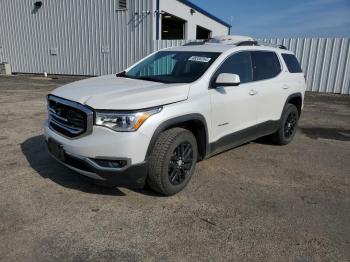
(200, 59)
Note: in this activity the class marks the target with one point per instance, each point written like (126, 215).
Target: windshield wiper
(121, 74)
(146, 78)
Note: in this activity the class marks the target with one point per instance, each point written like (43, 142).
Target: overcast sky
(283, 18)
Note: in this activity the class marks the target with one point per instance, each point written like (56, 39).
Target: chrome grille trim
(74, 131)
(61, 122)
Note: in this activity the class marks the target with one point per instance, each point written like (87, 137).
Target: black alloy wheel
(180, 163)
(287, 126)
(172, 161)
(290, 124)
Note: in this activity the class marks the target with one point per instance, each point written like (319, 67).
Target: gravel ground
(258, 202)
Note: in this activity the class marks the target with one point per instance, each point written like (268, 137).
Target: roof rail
(230, 39)
(260, 42)
(236, 40)
(247, 43)
(195, 43)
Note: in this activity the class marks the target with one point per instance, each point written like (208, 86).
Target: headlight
(124, 121)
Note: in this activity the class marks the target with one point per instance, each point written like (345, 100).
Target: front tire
(288, 126)
(172, 161)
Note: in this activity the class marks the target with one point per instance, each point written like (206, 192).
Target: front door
(234, 108)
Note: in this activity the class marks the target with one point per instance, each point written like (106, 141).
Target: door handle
(253, 92)
(286, 87)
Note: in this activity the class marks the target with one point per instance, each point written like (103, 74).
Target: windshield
(172, 67)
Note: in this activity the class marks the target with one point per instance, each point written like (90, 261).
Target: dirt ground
(258, 202)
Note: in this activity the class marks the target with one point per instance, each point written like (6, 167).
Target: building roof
(200, 10)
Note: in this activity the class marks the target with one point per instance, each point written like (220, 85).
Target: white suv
(154, 121)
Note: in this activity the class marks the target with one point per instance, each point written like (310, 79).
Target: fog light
(110, 163)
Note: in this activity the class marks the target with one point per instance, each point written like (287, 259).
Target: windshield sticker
(199, 59)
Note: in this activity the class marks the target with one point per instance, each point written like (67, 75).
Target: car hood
(120, 93)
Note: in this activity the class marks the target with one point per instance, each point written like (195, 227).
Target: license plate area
(56, 149)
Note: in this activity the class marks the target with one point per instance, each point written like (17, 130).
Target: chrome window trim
(89, 117)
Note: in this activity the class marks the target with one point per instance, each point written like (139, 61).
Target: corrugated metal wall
(326, 62)
(93, 37)
(90, 37)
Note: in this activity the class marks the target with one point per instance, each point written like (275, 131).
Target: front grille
(68, 118)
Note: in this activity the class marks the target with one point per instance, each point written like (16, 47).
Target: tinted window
(266, 65)
(239, 64)
(292, 63)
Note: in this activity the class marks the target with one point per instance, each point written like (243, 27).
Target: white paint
(107, 91)
(226, 109)
(228, 79)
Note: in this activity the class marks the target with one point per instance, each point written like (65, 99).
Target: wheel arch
(195, 123)
(295, 99)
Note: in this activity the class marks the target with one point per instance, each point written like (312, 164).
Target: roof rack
(247, 43)
(260, 42)
(226, 40)
(230, 39)
(195, 43)
(236, 40)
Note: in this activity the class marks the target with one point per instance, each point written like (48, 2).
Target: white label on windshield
(199, 59)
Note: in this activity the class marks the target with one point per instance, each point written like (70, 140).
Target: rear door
(295, 78)
(233, 107)
(268, 84)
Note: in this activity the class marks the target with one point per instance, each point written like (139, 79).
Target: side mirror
(226, 79)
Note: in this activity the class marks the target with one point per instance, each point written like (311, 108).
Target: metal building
(94, 37)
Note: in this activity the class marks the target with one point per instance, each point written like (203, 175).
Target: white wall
(183, 11)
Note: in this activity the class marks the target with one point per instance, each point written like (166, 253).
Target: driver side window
(239, 64)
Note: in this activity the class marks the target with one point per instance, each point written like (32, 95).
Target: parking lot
(258, 202)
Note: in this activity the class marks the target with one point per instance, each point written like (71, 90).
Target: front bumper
(133, 176)
(80, 155)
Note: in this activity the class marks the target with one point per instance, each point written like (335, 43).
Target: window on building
(239, 64)
(172, 27)
(203, 33)
(292, 63)
(122, 4)
(265, 65)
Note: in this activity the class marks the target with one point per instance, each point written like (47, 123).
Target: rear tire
(172, 161)
(288, 126)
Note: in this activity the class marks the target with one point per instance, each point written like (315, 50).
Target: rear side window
(292, 63)
(265, 65)
(239, 64)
